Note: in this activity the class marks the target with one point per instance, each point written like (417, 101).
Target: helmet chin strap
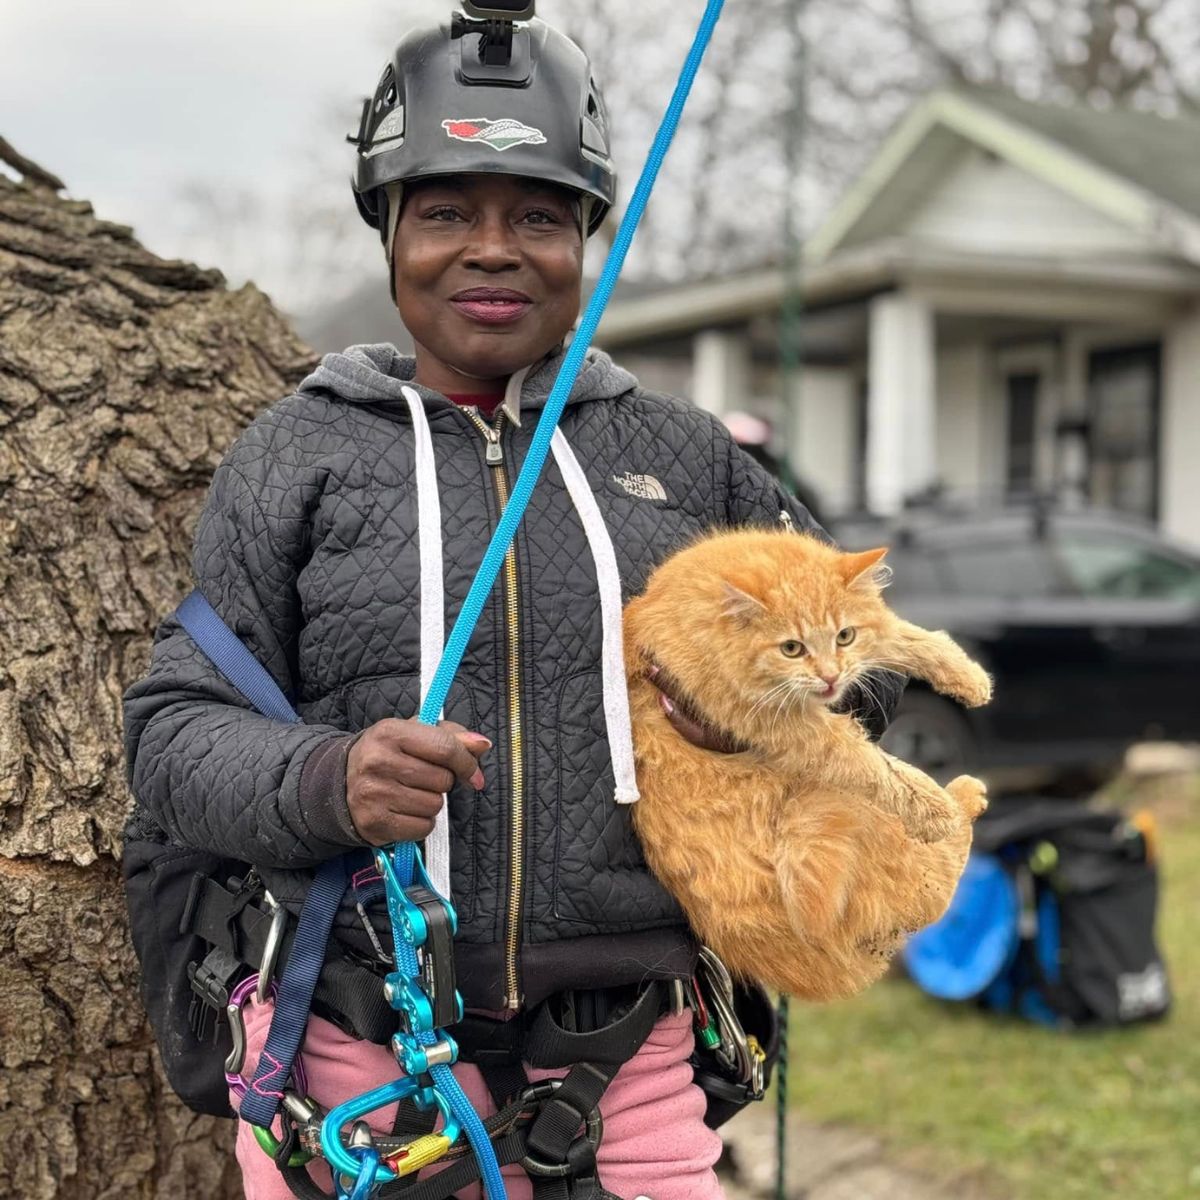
(395, 198)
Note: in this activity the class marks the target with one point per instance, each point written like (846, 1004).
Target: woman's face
(487, 272)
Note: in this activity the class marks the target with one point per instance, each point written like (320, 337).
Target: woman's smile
(492, 305)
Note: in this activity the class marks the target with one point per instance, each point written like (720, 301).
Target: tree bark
(124, 378)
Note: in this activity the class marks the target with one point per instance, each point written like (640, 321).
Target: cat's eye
(847, 635)
(793, 649)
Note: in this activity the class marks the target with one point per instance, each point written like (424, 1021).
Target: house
(1006, 301)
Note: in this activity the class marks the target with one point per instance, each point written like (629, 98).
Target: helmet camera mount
(494, 48)
(513, 10)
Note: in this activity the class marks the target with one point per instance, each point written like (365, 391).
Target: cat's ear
(866, 569)
(740, 606)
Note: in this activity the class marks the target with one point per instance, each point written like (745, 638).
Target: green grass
(1035, 1115)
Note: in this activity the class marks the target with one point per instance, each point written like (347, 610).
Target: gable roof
(1161, 154)
(1137, 168)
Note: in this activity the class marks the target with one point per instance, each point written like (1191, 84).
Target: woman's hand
(398, 771)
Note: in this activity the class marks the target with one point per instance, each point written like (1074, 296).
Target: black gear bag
(192, 1035)
(1053, 919)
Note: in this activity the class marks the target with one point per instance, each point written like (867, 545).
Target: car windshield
(1112, 567)
(1005, 568)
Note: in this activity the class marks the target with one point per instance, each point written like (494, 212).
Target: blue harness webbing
(231, 657)
(239, 666)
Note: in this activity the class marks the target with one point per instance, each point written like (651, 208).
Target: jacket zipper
(494, 457)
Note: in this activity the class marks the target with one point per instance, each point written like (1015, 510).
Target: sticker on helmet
(500, 135)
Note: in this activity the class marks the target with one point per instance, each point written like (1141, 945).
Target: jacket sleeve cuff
(323, 792)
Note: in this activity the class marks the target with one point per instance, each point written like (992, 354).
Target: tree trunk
(123, 380)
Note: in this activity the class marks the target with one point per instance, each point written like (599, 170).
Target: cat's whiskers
(784, 696)
(787, 695)
(866, 676)
(768, 695)
(868, 688)
(881, 664)
(799, 689)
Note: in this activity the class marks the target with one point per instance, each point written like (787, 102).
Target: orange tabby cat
(804, 856)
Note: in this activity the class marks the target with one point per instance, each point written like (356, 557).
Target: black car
(1089, 623)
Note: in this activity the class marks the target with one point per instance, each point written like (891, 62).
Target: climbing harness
(593, 1044)
(540, 1127)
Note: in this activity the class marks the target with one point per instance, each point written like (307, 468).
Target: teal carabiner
(344, 1162)
(364, 1183)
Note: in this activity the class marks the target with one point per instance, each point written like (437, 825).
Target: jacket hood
(377, 374)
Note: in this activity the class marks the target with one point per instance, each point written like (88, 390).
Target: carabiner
(237, 1026)
(342, 1161)
(739, 1053)
(271, 949)
(366, 1169)
(418, 1154)
(269, 1144)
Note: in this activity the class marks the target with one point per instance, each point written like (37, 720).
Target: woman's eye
(847, 636)
(540, 216)
(793, 649)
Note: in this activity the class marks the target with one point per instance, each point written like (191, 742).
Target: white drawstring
(612, 661)
(433, 606)
(433, 612)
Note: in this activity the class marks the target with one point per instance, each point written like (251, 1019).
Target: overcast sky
(128, 100)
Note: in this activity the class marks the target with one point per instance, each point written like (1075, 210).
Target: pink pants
(655, 1141)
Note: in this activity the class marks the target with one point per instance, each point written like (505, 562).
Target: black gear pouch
(158, 880)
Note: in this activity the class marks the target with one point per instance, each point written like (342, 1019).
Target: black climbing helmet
(484, 96)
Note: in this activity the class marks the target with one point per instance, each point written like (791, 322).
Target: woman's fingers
(398, 772)
(476, 743)
(438, 744)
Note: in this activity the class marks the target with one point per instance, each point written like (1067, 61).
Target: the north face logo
(500, 135)
(641, 487)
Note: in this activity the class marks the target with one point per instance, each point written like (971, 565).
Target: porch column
(1179, 435)
(720, 370)
(1070, 479)
(901, 400)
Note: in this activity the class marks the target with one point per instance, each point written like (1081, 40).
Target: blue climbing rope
(399, 862)
(506, 529)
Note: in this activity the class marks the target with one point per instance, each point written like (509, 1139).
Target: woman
(308, 547)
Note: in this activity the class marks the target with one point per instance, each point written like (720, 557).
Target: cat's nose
(830, 680)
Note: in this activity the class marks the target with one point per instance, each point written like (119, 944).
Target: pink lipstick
(493, 306)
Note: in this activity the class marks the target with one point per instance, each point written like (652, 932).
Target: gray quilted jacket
(308, 548)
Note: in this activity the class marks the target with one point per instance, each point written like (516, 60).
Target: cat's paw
(979, 689)
(970, 794)
(973, 686)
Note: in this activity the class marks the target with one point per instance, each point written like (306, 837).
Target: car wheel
(932, 734)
